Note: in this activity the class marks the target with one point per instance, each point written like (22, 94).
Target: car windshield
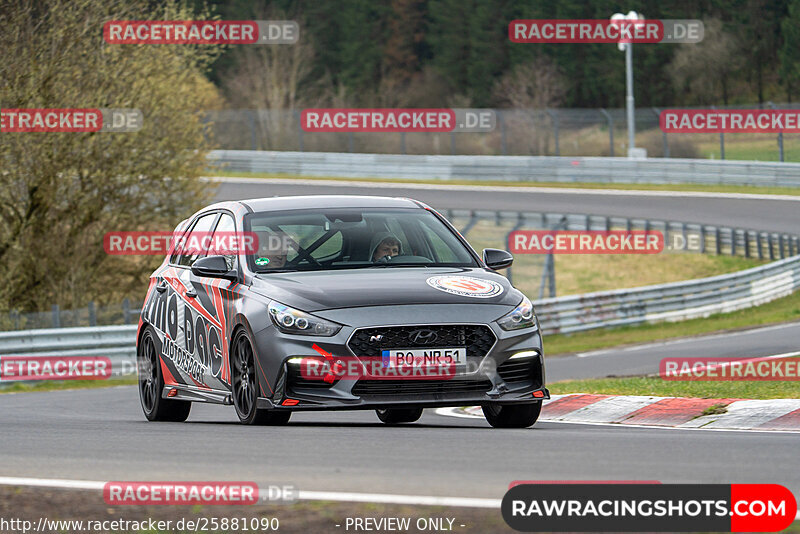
(354, 238)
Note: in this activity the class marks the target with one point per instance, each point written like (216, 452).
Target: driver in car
(384, 246)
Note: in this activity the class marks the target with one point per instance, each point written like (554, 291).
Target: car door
(217, 297)
(184, 351)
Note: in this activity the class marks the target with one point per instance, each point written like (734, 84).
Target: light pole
(629, 102)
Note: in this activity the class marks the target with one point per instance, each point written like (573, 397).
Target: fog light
(524, 354)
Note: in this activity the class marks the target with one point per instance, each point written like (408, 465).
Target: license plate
(443, 357)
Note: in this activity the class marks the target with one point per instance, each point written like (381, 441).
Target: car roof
(321, 202)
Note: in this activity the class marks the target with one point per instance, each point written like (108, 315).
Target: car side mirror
(497, 259)
(213, 267)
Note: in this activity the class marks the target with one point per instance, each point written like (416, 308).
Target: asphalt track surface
(102, 434)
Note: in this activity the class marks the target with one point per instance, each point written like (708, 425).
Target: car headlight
(520, 317)
(292, 321)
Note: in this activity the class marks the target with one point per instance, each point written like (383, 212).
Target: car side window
(222, 235)
(196, 242)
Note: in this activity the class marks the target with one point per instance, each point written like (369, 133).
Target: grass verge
(777, 311)
(57, 385)
(715, 188)
(656, 387)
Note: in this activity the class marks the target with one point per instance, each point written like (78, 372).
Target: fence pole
(403, 143)
(664, 142)
(721, 141)
(126, 311)
(252, 124)
(503, 147)
(554, 118)
(452, 143)
(780, 134)
(300, 140)
(607, 115)
(56, 316)
(520, 223)
(92, 314)
(350, 142)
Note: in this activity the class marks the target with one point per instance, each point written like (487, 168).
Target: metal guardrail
(574, 313)
(117, 343)
(682, 236)
(512, 168)
(670, 302)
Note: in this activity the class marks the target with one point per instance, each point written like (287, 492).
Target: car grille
(419, 387)
(525, 370)
(478, 339)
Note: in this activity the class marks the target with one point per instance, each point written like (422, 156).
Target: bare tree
(268, 79)
(704, 69)
(531, 88)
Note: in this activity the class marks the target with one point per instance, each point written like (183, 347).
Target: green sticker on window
(262, 261)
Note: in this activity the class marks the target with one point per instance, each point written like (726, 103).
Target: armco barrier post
(92, 314)
(56, 316)
(126, 311)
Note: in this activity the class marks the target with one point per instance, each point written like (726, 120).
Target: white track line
(382, 498)
(514, 189)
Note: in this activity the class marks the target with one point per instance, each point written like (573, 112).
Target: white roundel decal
(466, 286)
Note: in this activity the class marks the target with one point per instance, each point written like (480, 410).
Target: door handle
(162, 286)
(191, 293)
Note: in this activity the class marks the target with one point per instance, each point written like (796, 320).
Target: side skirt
(195, 394)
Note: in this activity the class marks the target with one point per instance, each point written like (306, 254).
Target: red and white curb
(674, 412)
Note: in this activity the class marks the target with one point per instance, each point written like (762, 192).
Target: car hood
(323, 290)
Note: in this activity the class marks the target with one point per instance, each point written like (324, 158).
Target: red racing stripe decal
(169, 380)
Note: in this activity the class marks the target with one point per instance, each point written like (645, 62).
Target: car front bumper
(496, 376)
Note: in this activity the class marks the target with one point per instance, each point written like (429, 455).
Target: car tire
(512, 415)
(244, 386)
(394, 416)
(151, 384)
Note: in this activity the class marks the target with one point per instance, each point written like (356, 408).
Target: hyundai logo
(423, 336)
